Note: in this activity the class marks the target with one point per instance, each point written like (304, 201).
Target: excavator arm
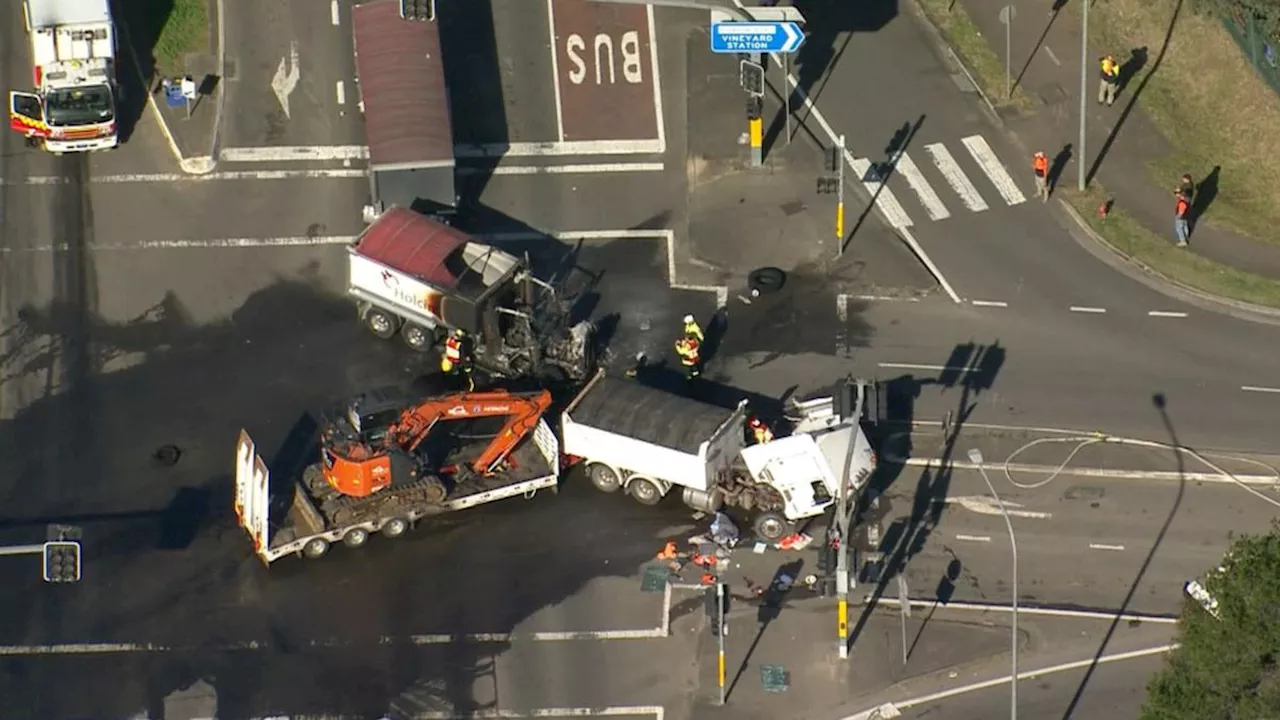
(522, 410)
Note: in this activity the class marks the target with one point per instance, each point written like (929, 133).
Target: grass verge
(185, 32)
(1208, 101)
(1158, 253)
(974, 50)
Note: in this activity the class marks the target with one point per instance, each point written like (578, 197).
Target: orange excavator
(377, 450)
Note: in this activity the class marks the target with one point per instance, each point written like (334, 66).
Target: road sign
(751, 77)
(784, 13)
(1007, 14)
(756, 37)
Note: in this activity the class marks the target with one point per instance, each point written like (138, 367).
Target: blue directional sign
(756, 37)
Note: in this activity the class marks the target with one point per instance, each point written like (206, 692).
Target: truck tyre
(395, 527)
(604, 478)
(381, 323)
(417, 337)
(771, 526)
(315, 548)
(645, 492)
(355, 537)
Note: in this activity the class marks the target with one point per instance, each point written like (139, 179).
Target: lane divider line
(1086, 309)
(1100, 546)
(1024, 609)
(974, 538)
(989, 303)
(1166, 313)
(1259, 389)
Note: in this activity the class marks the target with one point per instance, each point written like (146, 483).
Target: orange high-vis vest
(1040, 165)
(453, 349)
(687, 349)
(1181, 207)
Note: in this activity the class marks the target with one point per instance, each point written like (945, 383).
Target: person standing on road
(1040, 166)
(1110, 83)
(692, 329)
(688, 348)
(455, 361)
(1181, 229)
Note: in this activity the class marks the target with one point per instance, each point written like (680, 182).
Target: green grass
(185, 32)
(1158, 253)
(974, 51)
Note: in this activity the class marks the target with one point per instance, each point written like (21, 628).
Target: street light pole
(975, 456)
(1084, 91)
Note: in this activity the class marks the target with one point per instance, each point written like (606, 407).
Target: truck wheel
(355, 537)
(604, 478)
(315, 548)
(381, 323)
(645, 492)
(417, 337)
(395, 527)
(771, 526)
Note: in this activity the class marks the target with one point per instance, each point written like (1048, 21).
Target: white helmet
(688, 319)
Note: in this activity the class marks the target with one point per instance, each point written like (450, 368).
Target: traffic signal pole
(840, 198)
(755, 122)
(22, 549)
(720, 589)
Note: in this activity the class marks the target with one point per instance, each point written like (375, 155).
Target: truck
(72, 107)
(418, 277)
(648, 442)
(387, 462)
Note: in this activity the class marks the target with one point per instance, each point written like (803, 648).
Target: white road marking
(657, 712)
(555, 69)
(1100, 546)
(657, 83)
(885, 298)
(286, 78)
(288, 153)
(1166, 313)
(333, 174)
(974, 538)
(1049, 51)
(994, 170)
(333, 12)
(558, 149)
(1259, 389)
(933, 206)
(341, 89)
(1023, 609)
(1111, 474)
(986, 506)
(959, 182)
(1083, 309)
(885, 200)
(989, 303)
(842, 315)
(913, 366)
(563, 169)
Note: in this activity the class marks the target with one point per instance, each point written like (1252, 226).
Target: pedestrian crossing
(955, 184)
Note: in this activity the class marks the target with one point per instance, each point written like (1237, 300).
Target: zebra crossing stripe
(932, 203)
(990, 164)
(955, 177)
(885, 199)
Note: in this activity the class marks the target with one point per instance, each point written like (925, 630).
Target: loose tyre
(417, 337)
(604, 478)
(355, 537)
(771, 526)
(395, 527)
(381, 323)
(645, 491)
(315, 548)
(765, 280)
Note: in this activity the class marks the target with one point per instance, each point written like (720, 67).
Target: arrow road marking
(286, 78)
(987, 506)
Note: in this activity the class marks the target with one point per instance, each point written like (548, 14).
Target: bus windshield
(87, 105)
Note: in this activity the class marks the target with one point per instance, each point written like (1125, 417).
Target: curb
(940, 39)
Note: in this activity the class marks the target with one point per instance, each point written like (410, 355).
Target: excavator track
(347, 510)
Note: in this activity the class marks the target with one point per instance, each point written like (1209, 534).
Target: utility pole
(755, 122)
(904, 610)
(975, 457)
(1084, 90)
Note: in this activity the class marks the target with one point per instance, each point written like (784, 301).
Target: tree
(1228, 664)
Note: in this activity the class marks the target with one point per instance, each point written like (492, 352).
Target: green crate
(654, 579)
(774, 678)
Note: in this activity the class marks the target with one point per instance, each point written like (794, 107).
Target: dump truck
(72, 107)
(649, 442)
(418, 277)
(386, 462)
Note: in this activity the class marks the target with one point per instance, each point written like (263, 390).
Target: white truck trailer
(649, 442)
(73, 57)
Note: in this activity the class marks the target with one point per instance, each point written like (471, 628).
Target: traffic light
(418, 9)
(61, 561)
(751, 77)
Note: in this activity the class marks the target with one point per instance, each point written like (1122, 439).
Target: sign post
(1006, 18)
(758, 39)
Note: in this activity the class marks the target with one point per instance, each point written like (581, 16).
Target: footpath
(1121, 140)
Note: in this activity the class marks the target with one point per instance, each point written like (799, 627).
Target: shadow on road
(473, 75)
(142, 22)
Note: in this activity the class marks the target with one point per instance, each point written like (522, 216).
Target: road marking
(913, 366)
(955, 177)
(884, 298)
(1100, 546)
(932, 203)
(558, 149)
(656, 712)
(884, 197)
(1166, 313)
(341, 89)
(1083, 309)
(986, 506)
(1259, 389)
(994, 170)
(555, 69)
(333, 12)
(657, 82)
(974, 538)
(1268, 480)
(1030, 610)
(989, 303)
(333, 174)
(286, 78)
(563, 169)
(1054, 58)
(290, 153)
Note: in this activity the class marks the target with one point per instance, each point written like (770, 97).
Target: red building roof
(413, 244)
(401, 76)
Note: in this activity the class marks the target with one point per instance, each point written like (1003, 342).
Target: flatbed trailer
(295, 524)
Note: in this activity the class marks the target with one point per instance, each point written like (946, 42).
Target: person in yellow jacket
(1110, 80)
(456, 360)
(692, 329)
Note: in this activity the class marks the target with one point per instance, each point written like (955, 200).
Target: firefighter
(759, 431)
(455, 361)
(692, 329)
(688, 348)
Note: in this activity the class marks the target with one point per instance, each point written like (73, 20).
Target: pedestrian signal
(751, 77)
(418, 9)
(61, 561)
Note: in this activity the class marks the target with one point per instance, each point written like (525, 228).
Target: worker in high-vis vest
(1110, 81)
(1040, 166)
(688, 348)
(455, 361)
(692, 329)
(759, 431)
